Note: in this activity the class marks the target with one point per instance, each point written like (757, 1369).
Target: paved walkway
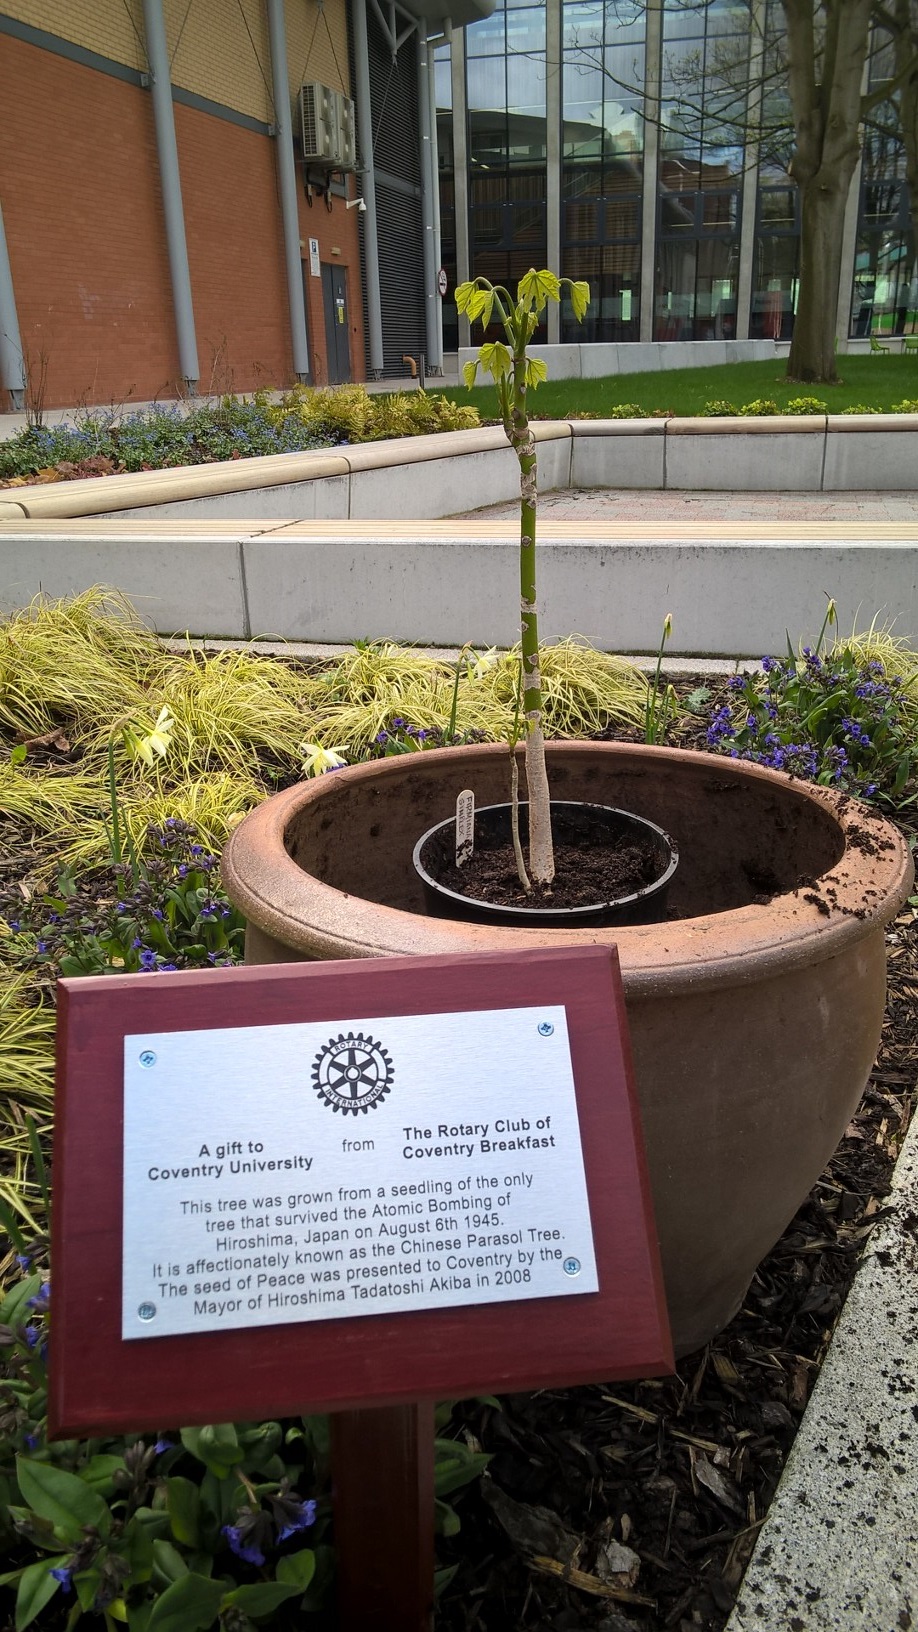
(647, 504)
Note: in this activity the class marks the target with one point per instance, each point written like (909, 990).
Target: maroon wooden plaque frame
(100, 1383)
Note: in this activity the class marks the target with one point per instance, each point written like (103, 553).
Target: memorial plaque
(410, 1162)
(327, 1186)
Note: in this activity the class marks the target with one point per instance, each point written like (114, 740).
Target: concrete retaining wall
(733, 588)
(597, 362)
(427, 477)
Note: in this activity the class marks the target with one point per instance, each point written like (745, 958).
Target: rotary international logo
(352, 1073)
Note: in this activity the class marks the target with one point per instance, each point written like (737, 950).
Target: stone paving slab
(839, 1548)
(671, 505)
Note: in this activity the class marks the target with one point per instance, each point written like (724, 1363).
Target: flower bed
(125, 768)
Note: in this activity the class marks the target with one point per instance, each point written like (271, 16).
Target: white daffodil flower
(317, 760)
(482, 663)
(153, 744)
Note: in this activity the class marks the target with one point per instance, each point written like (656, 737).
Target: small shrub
(861, 408)
(349, 413)
(807, 405)
(759, 407)
(627, 410)
(718, 409)
(908, 405)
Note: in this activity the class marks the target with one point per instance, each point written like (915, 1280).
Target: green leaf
(536, 371)
(464, 292)
(495, 357)
(446, 1519)
(139, 1616)
(62, 1498)
(580, 299)
(167, 1562)
(12, 1309)
(536, 288)
(262, 1597)
(481, 304)
(37, 1587)
(18, 754)
(183, 1503)
(86, 1585)
(216, 1446)
(297, 1569)
(99, 1473)
(189, 1605)
(469, 373)
(456, 1466)
(442, 1579)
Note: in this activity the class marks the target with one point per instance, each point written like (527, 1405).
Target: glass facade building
(643, 145)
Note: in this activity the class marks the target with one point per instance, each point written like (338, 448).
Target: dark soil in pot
(610, 867)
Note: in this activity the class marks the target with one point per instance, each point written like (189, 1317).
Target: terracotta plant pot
(754, 1016)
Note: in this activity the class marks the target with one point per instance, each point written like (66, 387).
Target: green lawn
(870, 382)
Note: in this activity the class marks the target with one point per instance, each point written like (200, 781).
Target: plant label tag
(465, 826)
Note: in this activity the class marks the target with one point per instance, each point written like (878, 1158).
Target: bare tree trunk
(906, 38)
(825, 68)
(812, 353)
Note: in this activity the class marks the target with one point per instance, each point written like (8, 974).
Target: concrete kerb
(839, 1548)
(311, 547)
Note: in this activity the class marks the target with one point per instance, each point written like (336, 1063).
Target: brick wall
(219, 48)
(83, 216)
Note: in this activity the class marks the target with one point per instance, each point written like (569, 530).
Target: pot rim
(319, 920)
(558, 915)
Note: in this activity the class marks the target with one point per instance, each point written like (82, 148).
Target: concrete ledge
(839, 1548)
(591, 360)
(732, 587)
(432, 476)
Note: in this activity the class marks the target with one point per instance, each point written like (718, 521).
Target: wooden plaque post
(379, 1372)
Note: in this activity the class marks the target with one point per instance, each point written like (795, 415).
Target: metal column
(286, 179)
(12, 362)
(652, 67)
(750, 170)
(368, 187)
(161, 87)
(553, 149)
(429, 183)
(460, 170)
(435, 169)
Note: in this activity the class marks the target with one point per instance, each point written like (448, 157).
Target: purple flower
(22, 1262)
(299, 1521)
(63, 1575)
(148, 958)
(163, 1445)
(32, 1336)
(249, 1551)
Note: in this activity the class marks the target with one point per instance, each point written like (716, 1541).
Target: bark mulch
(634, 1507)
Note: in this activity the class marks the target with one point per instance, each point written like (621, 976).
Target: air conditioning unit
(327, 129)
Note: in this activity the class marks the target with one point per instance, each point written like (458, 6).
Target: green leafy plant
(759, 407)
(515, 373)
(160, 1534)
(806, 405)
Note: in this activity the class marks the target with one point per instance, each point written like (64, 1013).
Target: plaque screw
(147, 1311)
(148, 1058)
(545, 1028)
(571, 1266)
